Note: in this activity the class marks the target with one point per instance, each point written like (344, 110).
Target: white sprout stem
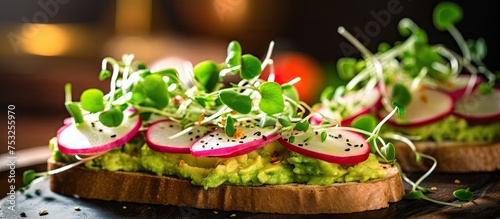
(69, 166)
(114, 77)
(294, 81)
(470, 84)
(212, 117)
(271, 76)
(454, 64)
(268, 55)
(379, 125)
(416, 82)
(461, 42)
(127, 59)
(378, 66)
(426, 173)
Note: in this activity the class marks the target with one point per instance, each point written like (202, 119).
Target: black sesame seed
(203, 146)
(112, 136)
(233, 140)
(93, 124)
(171, 126)
(191, 139)
(198, 131)
(347, 149)
(197, 137)
(212, 148)
(190, 133)
(300, 145)
(264, 137)
(361, 145)
(347, 140)
(202, 141)
(349, 144)
(286, 139)
(356, 145)
(340, 135)
(220, 138)
(23, 214)
(241, 142)
(100, 130)
(212, 135)
(316, 132)
(217, 144)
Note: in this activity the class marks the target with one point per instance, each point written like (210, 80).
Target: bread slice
(284, 199)
(453, 157)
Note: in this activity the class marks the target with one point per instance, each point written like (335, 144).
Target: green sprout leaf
(291, 139)
(250, 67)
(229, 127)
(463, 194)
(284, 120)
(233, 59)
(401, 94)
(105, 73)
(92, 100)
(446, 14)
(28, 177)
(302, 126)
(238, 102)
(389, 151)
(405, 27)
(141, 66)
(111, 118)
(367, 123)
(272, 98)
(169, 72)
(291, 92)
(207, 73)
(384, 47)
(323, 136)
(417, 194)
(401, 109)
(477, 48)
(156, 90)
(485, 88)
(74, 111)
(346, 68)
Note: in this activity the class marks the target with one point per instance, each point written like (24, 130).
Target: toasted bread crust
(285, 199)
(453, 157)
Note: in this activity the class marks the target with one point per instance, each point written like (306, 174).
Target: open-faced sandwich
(207, 143)
(452, 105)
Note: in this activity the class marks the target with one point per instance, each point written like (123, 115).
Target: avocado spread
(452, 128)
(272, 165)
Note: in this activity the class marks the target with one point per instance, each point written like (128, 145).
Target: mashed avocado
(270, 165)
(452, 128)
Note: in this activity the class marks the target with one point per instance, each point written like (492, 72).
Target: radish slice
(426, 106)
(157, 137)
(457, 86)
(359, 103)
(92, 136)
(479, 109)
(218, 144)
(340, 146)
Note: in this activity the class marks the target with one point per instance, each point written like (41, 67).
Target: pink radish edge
(98, 148)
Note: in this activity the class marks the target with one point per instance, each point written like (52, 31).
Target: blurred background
(47, 43)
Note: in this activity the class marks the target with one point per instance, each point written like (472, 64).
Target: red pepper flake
(181, 163)
(202, 117)
(223, 122)
(239, 133)
(421, 88)
(424, 99)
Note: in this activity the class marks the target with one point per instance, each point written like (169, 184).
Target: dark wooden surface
(486, 187)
